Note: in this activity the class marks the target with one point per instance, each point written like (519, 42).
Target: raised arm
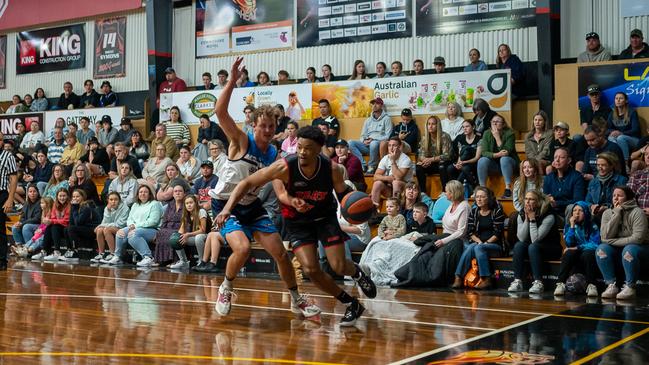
(232, 131)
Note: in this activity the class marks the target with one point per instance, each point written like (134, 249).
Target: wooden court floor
(78, 314)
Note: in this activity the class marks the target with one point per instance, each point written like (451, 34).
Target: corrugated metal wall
(52, 82)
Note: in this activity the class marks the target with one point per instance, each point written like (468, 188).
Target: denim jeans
(23, 234)
(139, 241)
(631, 257)
(358, 148)
(537, 253)
(481, 252)
(488, 166)
(626, 143)
(41, 186)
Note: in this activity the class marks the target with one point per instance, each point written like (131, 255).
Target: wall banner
(322, 22)
(424, 95)
(110, 48)
(445, 16)
(243, 26)
(9, 123)
(51, 49)
(629, 78)
(74, 115)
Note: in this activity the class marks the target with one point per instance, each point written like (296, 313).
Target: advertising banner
(110, 48)
(9, 123)
(629, 78)
(3, 62)
(19, 13)
(296, 100)
(321, 22)
(52, 49)
(424, 95)
(242, 26)
(73, 116)
(445, 16)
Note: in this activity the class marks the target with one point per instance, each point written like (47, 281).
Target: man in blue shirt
(204, 184)
(564, 186)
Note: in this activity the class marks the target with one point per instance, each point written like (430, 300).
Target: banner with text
(110, 48)
(445, 16)
(3, 62)
(9, 123)
(296, 100)
(52, 49)
(629, 78)
(242, 26)
(424, 95)
(74, 115)
(322, 22)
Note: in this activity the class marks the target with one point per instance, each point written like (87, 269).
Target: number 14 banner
(110, 48)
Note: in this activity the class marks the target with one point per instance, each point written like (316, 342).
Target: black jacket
(84, 216)
(31, 213)
(627, 54)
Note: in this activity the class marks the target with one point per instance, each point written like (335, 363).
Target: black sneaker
(354, 310)
(365, 283)
(507, 194)
(199, 267)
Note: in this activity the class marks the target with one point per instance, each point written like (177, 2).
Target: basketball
(576, 283)
(357, 207)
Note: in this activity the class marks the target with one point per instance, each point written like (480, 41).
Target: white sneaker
(305, 307)
(39, 256)
(591, 290)
(224, 301)
(626, 293)
(53, 257)
(537, 287)
(146, 261)
(610, 292)
(516, 285)
(106, 257)
(179, 265)
(114, 261)
(97, 258)
(560, 289)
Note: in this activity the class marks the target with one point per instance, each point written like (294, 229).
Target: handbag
(472, 278)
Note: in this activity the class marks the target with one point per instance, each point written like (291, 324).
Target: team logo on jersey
(203, 103)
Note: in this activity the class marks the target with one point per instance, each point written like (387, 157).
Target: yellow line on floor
(164, 356)
(610, 347)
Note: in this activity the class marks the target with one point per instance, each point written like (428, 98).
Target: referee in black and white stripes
(8, 182)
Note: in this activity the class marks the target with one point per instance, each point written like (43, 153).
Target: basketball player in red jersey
(305, 184)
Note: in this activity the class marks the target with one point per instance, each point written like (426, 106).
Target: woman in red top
(59, 219)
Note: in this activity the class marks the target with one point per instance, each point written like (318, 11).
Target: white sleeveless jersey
(234, 171)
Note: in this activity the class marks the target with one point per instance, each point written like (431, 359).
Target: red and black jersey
(316, 191)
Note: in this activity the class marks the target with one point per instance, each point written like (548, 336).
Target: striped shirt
(7, 167)
(55, 151)
(178, 132)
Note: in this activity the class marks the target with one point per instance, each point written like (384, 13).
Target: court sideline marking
(610, 347)
(164, 356)
(508, 311)
(82, 296)
(468, 340)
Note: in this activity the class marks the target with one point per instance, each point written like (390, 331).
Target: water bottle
(467, 190)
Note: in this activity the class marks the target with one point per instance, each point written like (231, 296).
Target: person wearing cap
(90, 97)
(84, 133)
(68, 99)
(376, 128)
(397, 69)
(537, 142)
(417, 67)
(561, 133)
(125, 130)
(407, 131)
(439, 65)
(108, 98)
(207, 82)
(172, 83)
(507, 60)
(96, 158)
(202, 185)
(207, 131)
(351, 163)
(475, 63)
(596, 109)
(327, 117)
(637, 47)
(107, 134)
(594, 52)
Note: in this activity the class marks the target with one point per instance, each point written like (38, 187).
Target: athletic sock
(227, 283)
(344, 298)
(295, 295)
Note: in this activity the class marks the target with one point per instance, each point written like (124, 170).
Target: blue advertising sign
(629, 78)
